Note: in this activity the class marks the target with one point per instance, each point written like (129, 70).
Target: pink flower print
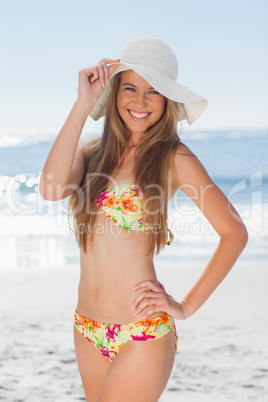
(101, 198)
(137, 190)
(87, 338)
(105, 352)
(142, 337)
(117, 326)
(110, 334)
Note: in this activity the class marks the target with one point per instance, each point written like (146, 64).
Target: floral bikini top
(123, 206)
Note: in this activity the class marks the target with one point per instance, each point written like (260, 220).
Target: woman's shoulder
(184, 150)
(188, 170)
(87, 144)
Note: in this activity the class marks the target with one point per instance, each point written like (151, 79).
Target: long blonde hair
(152, 171)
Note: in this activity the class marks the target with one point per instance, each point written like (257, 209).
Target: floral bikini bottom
(109, 338)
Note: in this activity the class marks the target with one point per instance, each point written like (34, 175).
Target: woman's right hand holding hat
(92, 80)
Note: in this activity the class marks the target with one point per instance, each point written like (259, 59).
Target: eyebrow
(132, 85)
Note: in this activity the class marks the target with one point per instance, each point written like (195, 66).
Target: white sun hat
(156, 63)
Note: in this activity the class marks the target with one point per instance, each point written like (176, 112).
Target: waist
(105, 292)
(113, 312)
(109, 270)
(148, 322)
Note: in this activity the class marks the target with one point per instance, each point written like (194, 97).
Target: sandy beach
(222, 352)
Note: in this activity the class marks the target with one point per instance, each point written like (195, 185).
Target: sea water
(35, 233)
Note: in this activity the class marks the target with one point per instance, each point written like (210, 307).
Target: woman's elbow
(244, 235)
(237, 234)
(241, 235)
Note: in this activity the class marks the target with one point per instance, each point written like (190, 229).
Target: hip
(108, 338)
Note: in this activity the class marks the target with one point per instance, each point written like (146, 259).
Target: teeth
(139, 115)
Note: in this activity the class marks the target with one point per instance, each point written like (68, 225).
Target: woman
(124, 332)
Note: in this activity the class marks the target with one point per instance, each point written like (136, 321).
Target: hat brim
(190, 105)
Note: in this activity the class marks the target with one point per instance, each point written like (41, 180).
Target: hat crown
(151, 53)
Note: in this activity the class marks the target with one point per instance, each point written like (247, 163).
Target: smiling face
(139, 105)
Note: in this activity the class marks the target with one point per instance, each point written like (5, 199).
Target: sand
(222, 352)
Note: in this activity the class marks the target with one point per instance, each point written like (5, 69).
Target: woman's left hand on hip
(158, 299)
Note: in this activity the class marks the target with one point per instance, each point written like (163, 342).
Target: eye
(154, 92)
(130, 89)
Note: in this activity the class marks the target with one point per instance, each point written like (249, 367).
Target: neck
(134, 139)
(132, 146)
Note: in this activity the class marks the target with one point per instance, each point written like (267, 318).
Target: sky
(221, 47)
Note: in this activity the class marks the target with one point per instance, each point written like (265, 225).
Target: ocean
(34, 233)
(222, 352)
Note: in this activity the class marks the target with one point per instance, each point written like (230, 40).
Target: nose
(140, 100)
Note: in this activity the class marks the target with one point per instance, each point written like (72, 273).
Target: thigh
(93, 367)
(140, 371)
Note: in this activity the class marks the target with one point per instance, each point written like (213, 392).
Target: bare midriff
(115, 263)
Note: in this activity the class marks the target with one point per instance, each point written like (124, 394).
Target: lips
(138, 116)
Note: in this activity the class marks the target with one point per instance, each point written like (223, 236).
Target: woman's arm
(196, 183)
(61, 157)
(193, 179)
(65, 159)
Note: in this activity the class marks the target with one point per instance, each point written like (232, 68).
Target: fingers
(161, 286)
(113, 67)
(106, 71)
(155, 297)
(147, 302)
(149, 284)
(101, 71)
(151, 311)
(144, 295)
(98, 72)
(94, 74)
(108, 61)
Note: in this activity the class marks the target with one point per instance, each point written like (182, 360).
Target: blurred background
(222, 51)
(222, 54)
